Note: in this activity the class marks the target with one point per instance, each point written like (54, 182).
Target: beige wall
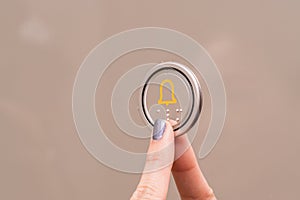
(255, 44)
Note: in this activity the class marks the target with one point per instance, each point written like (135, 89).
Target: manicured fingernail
(158, 129)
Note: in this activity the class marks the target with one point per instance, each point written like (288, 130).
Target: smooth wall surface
(255, 44)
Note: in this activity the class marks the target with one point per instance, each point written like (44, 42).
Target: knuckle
(208, 195)
(145, 192)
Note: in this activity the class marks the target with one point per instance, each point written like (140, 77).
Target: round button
(172, 92)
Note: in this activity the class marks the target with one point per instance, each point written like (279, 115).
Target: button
(171, 91)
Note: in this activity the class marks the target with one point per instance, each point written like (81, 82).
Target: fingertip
(161, 148)
(172, 122)
(169, 135)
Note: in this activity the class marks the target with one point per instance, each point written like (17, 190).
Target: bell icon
(173, 100)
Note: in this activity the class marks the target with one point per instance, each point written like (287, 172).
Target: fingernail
(158, 129)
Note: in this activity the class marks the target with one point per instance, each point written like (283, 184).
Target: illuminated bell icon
(173, 99)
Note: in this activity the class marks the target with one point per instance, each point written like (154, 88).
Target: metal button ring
(172, 91)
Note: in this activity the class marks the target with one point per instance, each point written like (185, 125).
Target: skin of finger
(154, 184)
(189, 179)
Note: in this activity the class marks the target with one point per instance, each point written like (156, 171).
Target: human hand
(162, 150)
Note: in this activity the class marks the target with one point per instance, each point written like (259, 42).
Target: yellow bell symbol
(173, 99)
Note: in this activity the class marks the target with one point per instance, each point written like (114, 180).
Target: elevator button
(172, 91)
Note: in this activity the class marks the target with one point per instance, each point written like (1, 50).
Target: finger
(155, 180)
(189, 179)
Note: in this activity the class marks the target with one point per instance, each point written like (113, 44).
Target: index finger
(189, 179)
